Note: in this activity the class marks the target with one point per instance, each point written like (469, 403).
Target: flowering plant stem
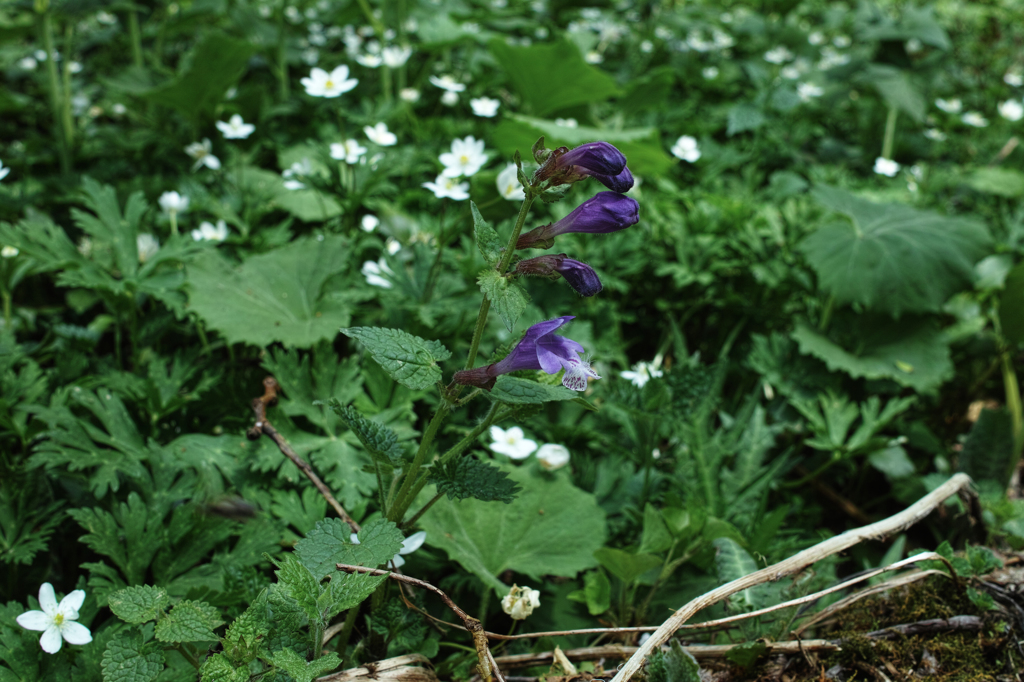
(890, 134)
(56, 95)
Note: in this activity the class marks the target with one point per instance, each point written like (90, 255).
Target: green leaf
(743, 117)
(124, 661)
(189, 621)
(380, 441)
(218, 668)
(552, 529)
(1011, 306)
(346, 591)
(329, 544)
(1003, 182)
(246, 638)
(301, 671)
(890, 257)
(914, 355)
(989, 450)
(410, 360)
(281, 295)
(467, 477)
(138, 603)
(130, 536)
(624, 565)
(656, 536)
(733, 562)
(981, 600)
(519, 391)
(299, 583)
(598, 591)
(507, 297)
(745, 655)
(677, 665)
(486, 238)
(893, 462)
(553, 76)
(309, 205)
(897, 89)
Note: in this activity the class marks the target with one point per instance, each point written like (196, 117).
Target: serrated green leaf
(380, 441)
(299, 583)
(125, 661)
(624, 565)
(988, 452)
(329, 544)
(130, 536)
(302, 671)
(890, 257)
(525, 392)
(246, 637)
(138, 603)
(281, 295)
(410, 360)
(189, 621)
(469, 477)
(218, 668)
(676, 665)
(733, 562)
(507, 297)
(487, 240)
(345, 591)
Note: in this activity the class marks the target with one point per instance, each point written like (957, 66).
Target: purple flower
(593, 158)
(539, 349)
(604, 212)
(580, 276)
(599, 160)
(623, 182)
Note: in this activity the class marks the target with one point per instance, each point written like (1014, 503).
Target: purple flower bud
(540, 348)
(604, 212)
(580, 276)
(594, 158)
(623, 182)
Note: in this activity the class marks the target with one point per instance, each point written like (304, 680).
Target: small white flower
(520, 602)
(444, 186)
(147, 246)
(593, 57)
(75, 67)
(118, 109)
(973, 118)
(333, 84)
(392, 246)
(950, 106)
(552, 456)
(235, 128)
(935, 134)
(512, 442)
(449, 99)
(411, 95)
(370, 61)
(509, 186)
(409, 545)
(28, 63)
(816, 38)
(642, 373)
(202, 152)
(3, 171)
(778, 55)
(686, 149)
(466, 157)
(1011, 110)
(1014, 77)
(710, 73)
(207, 232)
(913, 46)
(369, 222)
(375, 273)
(842, 41)
(807, 91)
(395, 56)
(9, 252)
(379, 134)
(297, 169)
(447, 83)
(484, 107)
(349, 151)
(172, 202)
(790, 72)
(57, 621)
(886, 167)
(567, 123)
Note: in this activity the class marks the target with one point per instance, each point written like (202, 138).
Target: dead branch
(263, 426)
(926, 627)
(407, 668)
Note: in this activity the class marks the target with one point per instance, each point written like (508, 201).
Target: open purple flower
(539, 349)
(604, 212)
(580, 276)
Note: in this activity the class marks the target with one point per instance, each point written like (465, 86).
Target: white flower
(509, 186)
(172, 202)
(28, 63)
(806, 91)
(348, 151)
(411, 95)
(778, 55)
(841, 41)
(790, 72)
(1011, 110)
(1014, 77)
(297, 169)
(466, 157)
(520, 602)
(447, 83)
(374, 273)
(950, 106)
(642, 373)
(208, 233)
(392, 246)
(370, 61)
(409, 545)
(512, 442)
(56, 621)
(913, 46)
(118, 109)
(369, 222)
(444, 186)
(235, 128)
(3, 171)
(449, 99)
(147, 245)
(552, 456)
(935, 134)
(9, 252)
(973, 118)
(484, 106)
(395, 56)
(709, 72)
(686, 148)
(379, 134)
(593, 57)
(816, 38)
(333, 84)
(202, 152)
(886, 167)
(567, 123)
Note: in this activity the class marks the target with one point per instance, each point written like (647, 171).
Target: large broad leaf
(897, 89)
(275, 296)
(410, 360)
(553, 76)
(1011, 305)
(893, 258)
(914, 354)
(552, 529)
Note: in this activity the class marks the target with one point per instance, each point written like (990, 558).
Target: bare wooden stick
(894, 524)
(263, 426)
(379, 670)
(924, 627)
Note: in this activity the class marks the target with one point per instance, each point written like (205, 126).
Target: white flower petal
(413, 542)
(47, 600)
(34, 620)
(397, 561)
(51, 640)
(72, 603)
(75, 633)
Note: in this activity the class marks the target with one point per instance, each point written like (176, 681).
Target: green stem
(53, 81)
(282, 60)
(403, 500)
(890, 133)
(346, 633)
(1013, 404)
(411, 523)
(318, 640)
(385, 73)
(187, 655)
(7, 309)
(174, 222)
(67, 121)
(135, 36)
(378, 27)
